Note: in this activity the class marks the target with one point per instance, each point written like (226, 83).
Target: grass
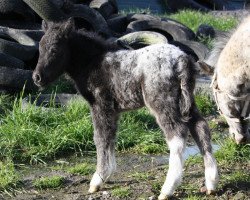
(8, 175)
(82, 169)
(140, 176)
(230, 152)
(49, 182)
(194, 19)
(121, 192)
(205, 104)
(234, 177)
(35, 133)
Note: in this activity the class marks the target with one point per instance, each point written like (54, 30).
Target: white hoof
(95, 183)
(93, 189)
(163, 197)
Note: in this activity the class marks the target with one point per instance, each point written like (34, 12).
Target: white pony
(231, 83)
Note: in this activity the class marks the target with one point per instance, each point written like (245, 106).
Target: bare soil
(143, 175)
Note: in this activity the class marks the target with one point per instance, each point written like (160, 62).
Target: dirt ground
(141, 175)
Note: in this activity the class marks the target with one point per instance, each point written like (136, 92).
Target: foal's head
(54, 53)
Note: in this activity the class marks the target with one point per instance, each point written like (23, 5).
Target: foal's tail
(186, 71)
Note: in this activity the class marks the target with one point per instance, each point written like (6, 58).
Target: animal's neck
(86, 54)
(87, 51)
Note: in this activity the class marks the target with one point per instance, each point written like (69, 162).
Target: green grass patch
(140, 176)
(236, 176)
(193, 19)
(35, 133)
(82, 169)
(230, 152)
(121, 192)
(49, 182)
(139, 132)
(205, 104)
(8, 175)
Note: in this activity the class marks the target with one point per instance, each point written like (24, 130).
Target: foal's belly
(129, 96)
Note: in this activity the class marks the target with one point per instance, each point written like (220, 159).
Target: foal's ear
(68, 26)
(46, 25)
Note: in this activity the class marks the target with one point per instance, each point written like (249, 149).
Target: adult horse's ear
(68, 26)
(204, 68)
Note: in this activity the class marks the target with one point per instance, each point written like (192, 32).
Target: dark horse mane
(88, 50)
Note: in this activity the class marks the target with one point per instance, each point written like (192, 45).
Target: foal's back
(129, 69)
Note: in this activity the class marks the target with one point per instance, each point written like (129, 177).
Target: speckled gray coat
(113, 80)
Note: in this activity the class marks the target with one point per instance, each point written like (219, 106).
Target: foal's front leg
(105, 125)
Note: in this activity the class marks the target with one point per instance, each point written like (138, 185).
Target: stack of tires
(20, 32)
(19, 36)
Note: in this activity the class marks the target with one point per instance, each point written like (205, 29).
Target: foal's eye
(53, 50)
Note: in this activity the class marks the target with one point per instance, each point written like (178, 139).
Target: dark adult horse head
(54, 53)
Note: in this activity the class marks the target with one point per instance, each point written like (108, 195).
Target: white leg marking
(211, 172)
(95, 183)
(174, 176)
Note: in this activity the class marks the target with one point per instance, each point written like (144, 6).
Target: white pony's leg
(175, 171)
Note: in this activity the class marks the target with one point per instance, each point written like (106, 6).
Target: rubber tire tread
(22, 52)
(16, 78)
(170, 30)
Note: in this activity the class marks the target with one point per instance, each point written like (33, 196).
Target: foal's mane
(93, 41)
(89, 41)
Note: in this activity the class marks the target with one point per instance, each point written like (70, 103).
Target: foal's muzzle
(37, 78)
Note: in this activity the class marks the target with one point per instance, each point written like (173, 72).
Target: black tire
(93, 17)
(10, 61)
(24, 37)
(47, 10)
(118, 24)
(16, 79)
(20, 24)
(196, 49)
(169, 30)
(182, 26)
(140, 39)
(22, 52)
(105, 7)
(15, 10)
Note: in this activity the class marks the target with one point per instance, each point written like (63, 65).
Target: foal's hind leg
(167, 115)
(200, 131)
(105, 125)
